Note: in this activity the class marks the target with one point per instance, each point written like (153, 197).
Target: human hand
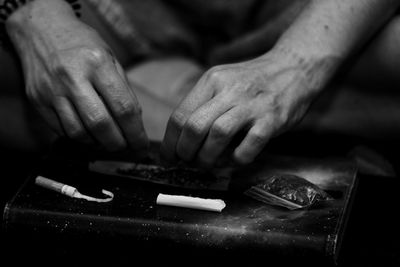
(262, 97)
(73, 78)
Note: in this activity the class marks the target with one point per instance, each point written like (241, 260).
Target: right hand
(73, 78)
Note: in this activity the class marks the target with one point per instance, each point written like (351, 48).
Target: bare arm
(72, 77)
(268, 95)
(335, 28)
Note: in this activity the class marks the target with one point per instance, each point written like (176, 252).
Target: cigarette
(191, 202)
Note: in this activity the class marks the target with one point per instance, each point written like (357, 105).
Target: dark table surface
(371, 237)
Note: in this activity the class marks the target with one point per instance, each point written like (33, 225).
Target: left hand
(262, 97)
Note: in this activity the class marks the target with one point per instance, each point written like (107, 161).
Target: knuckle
(257, 138)
(60, 64)
(94, 55)
(177, 119)
(220, 131)
(98, 121)
(126, 108)
(60, 69)
(194, 128)
(216, 74)
(281, 122)
(63, 71)
(63, 63)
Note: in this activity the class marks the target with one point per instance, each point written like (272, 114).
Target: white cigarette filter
(191, 202)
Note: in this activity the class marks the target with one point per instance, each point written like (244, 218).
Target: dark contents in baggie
(287, 190)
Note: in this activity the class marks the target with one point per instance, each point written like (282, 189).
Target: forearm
(334, 29)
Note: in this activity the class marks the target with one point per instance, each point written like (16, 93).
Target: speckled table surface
(244, 226)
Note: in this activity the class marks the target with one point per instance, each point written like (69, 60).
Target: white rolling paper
(191, 202)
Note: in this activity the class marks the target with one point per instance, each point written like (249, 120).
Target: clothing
(212, 31)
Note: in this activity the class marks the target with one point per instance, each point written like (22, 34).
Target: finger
(198, 125)
(197, 97)
(220, 135)
(70, 121)
(143, 140)
(122, 104)
(50, 117)
(253, 143)
(96, 118)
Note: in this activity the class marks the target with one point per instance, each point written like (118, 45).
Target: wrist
(38, 17)
(40, 9)
(317, 69)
